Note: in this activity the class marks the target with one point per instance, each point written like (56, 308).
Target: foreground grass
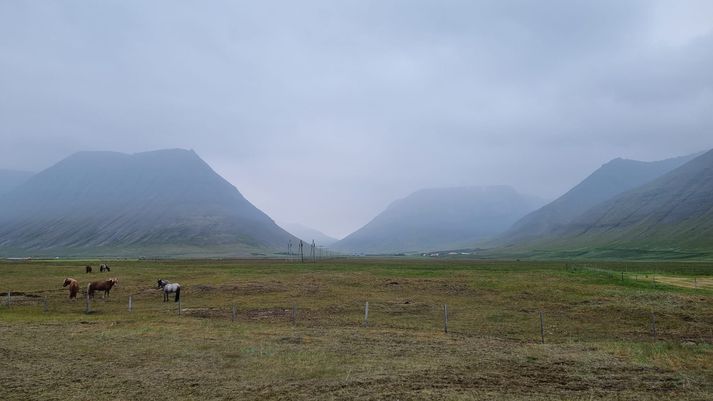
(598, 334)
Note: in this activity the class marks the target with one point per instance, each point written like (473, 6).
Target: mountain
(441, 218)
(611, 179)
(308, 234)
(167, 202)
(671, 213)
(10, 179)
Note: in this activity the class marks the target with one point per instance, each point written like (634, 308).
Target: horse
(88, 268)
(101, 286)
(73, 287)
(169, 288)
(104, 268)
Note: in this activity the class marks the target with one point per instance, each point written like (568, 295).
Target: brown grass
(598, 340)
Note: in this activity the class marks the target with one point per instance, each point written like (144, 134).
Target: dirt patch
(687, 282)
(269, 313)
(238, 289)
(204, 312)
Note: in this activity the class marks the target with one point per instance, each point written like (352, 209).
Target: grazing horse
(104, 268)
(88, 268)
(101, 286)
(169, 288)
(73, 287)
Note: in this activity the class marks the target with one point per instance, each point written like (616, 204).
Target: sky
(324, 112)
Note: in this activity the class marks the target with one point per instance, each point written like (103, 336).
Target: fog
(323, 112)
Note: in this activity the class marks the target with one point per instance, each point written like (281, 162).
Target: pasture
(598, 326)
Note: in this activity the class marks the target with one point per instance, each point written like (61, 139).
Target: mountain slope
(611, 179)
(164, 202)
(308, 234)
(442, 218)
(11, 179)
(674, 211)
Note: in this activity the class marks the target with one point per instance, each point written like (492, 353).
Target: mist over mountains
(668, 214)
(171, 203)
(11, 179)
(308, 234)
(611, 179)
(167, 202)
(440, 218)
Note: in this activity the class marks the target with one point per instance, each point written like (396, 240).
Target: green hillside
(671, 216)
(168, 203)
(611, 179)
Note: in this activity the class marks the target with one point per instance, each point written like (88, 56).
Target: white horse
(169, 288)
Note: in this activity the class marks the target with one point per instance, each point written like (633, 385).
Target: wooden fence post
(366, 314)
(445, 318)
(653, 325)
(542, 328)
(130, 303)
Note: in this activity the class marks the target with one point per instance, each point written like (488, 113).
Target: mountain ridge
(110, 200)
(612, 178)
(439, 218)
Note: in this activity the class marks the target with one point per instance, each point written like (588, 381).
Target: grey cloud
(323, 112)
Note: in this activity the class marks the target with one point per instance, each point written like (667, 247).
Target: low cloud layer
(323, 112)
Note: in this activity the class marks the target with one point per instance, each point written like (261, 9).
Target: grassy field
(599, 342)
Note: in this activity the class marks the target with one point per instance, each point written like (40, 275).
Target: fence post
(653, 324)
(542, 328)
(88, 308)
(8, 298)
(622, 276)
(445, 318)
(130, 304)
(366, 314)
(294, 314)
(234, 314)
(179, 306)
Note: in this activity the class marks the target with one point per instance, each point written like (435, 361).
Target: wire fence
(541, 325)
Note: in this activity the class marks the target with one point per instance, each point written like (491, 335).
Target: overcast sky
(323, 112)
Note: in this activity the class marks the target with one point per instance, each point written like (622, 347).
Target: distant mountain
(611, 179)
(441, 218)
(11, 179)
(673, 212)
(167, 202)
(308, 234)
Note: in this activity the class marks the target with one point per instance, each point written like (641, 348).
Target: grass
(598, 342)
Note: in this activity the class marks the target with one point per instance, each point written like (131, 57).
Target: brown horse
(101, 286)
(88, 268)
(73, 287)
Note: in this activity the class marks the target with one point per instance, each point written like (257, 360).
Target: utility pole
(302, 255)
(289, 250)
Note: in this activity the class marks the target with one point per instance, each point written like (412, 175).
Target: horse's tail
(178, 294)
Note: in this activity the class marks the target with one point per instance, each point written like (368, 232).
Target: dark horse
(168, 288)
(101, 286)
(104, 268)
(88, 268)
